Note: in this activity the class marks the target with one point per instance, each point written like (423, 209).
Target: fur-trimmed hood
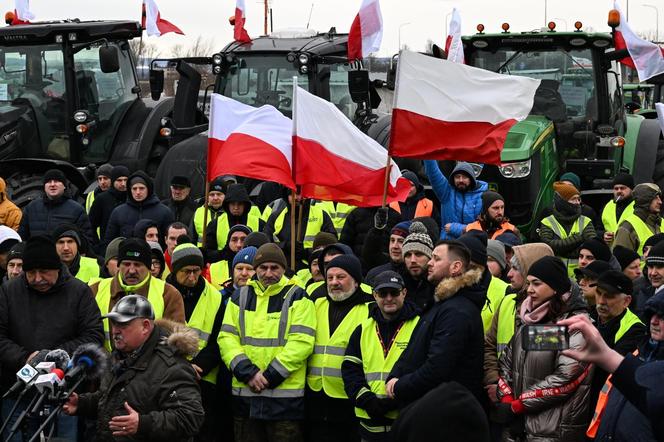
(182, 339)
(449, 287)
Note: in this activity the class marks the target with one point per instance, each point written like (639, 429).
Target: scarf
(132, 288)
(530, 315)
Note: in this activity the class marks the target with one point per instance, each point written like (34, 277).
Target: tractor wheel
(23, 188)
(658, 173)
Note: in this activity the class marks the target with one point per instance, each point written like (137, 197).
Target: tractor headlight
(519, 169)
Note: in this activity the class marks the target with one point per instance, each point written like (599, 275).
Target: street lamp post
(656, 20)
(401, 26)
(546, 22)
(562, 20)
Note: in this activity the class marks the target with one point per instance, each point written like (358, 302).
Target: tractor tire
(22, 188)
(658, 173)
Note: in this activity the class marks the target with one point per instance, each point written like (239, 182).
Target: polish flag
(335, 161)
(451, 111)
(646, 57)
(453, 45)
(248, 141)
(366, 32)
(22, 13)
(153, 23)
(239, 33)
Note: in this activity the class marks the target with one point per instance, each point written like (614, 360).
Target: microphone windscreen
(94, 353)
(59, 356)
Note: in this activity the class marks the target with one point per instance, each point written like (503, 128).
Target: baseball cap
(131, 307)
(388, 280)
(593, 270)
(614, 282)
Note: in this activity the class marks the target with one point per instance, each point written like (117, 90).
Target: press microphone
(88, 360)
(27, 373)
(59, 357)
(46, 385)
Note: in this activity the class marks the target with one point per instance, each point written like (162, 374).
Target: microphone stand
(21, 418)
(13, 410)
(56, 411)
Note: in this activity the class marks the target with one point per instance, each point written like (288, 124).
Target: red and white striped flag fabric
(335, 161)
(239, 33)
(22, 13)
(645, 56)
(453, 45)
(153, 23)
(366, 32)
(464, 119)
(249, 142)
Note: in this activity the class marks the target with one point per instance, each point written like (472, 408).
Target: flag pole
(292, 229)
(294, 192)
(388, 166)
(205, 205)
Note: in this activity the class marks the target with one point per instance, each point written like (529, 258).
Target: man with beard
(492, 217)
(416, 204)
(221, 271)
(620, 207)
(104, 203)
(645, 222)
(417, 249)
(398, 235)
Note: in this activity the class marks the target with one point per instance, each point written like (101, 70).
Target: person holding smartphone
(544, 394)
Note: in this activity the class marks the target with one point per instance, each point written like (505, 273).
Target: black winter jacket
(448, 343)
(43, 215)
(102, 207)
(358, 224)
(183, 211)
(158, 382)
(64, 317)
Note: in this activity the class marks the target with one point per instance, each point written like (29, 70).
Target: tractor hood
(526, 137)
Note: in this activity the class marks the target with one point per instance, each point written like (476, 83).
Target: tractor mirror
(156, 83)
(358, 85)
(108, 59)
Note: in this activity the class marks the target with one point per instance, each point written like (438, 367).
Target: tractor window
(257, 80)
(105, 95)
(339, 93)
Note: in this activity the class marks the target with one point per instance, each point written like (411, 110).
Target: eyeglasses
(388, 292)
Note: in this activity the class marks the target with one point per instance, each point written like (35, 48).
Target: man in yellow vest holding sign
(620, 207)
(373, 349)
(645, 222)
(134, 260)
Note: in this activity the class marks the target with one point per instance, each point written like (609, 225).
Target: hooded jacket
(10, 214)
(158, 382)
(561, 416)
(102, 207)
(125, 216)
(447, 344)
(456, 208)
(626, 235)
(566, 214)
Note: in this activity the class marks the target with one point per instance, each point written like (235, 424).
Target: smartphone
(545, 337)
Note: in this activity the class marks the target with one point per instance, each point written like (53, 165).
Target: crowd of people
(407, 323)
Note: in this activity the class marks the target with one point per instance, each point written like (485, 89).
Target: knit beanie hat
(256, 239)
(565, 190)
(572, 178)
(489, 197)
(119, 171)
(350, 264)
(135, 249)
(54, 174)
(336, 248)
(218, 185)
(476, 241)
(644, 193)
(8, 238)
(432, 227)
(16, 252)
(401, 229)
(67, 230)
(509, 239)
(113, 249)
(323, 239)
(104, 170)
(238, 228)
(418, 240)
(186, 255)
(270, 252)
(526, 254)
(625, 179)
(496, 251)
(656, 255)
(40, 254)
(135, 179)
(655, 239)
(244, 256)
(552, 271)
(598, 248)
(625, 256)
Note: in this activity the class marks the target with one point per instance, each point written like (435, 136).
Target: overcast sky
(426, 18)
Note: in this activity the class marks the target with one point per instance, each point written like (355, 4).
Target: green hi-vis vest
(88, 201)
(642, 230)
(627, 321)
(220, 272)
(87, 270)
(609, 215)
(202, 319)
(103, 298)
(324, 366)
(198, 222)
(338, 212)
(377, 365)
(506, 317)
(495, 294)
(581, 222)
(253, 222)
(314, 224)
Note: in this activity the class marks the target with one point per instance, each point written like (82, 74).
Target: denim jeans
(65, 426)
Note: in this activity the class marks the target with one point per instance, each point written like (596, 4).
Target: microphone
(59, 357)
(28, 372)
(89, 360)
(46, 384)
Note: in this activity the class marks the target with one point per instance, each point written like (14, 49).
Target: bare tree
(201, 47)
(143, 52)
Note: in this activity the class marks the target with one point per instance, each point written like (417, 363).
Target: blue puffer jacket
(43, 215)
(456, 208)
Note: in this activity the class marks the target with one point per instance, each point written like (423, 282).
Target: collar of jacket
(117, 291)
(449, 287)
(408, 311)
(63, 277)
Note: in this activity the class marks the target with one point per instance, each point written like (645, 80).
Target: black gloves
(380, 218)
(503, 414)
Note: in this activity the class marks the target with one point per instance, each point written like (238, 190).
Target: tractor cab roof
(71, 30)
(536, 40)
(295, 40)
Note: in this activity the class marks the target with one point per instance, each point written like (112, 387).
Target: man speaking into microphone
(45, 308)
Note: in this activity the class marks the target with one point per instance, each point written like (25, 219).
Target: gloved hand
(380, 218)
(374, 408)
(517, 427)
(503, 414)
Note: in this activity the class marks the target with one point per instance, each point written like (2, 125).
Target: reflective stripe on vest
(87, 270)
(314, 224)
(609, 215)
(324, 367)
(642, 230)
(375, 363)
(578, 226)
(103, 298)
(506, 317)
(424, 207)
(220, 273)
(88, 201)
(627, 321)
(338, 213)
(495, 294)
(202, 319)
(198, 222)
(253, 222)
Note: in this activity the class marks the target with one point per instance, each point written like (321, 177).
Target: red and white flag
(335, 161)
(366, 32)
(239, 33)
(22, 13)
(645, 56)
(248, 141)
(153, 23)
(464, 119)
(453, 44)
